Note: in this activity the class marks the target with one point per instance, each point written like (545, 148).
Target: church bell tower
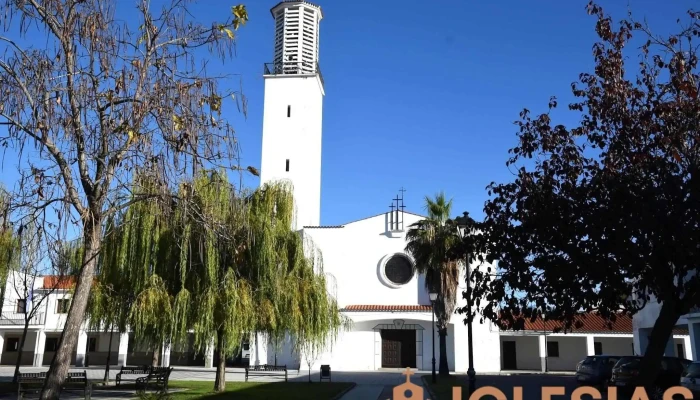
(293, 107)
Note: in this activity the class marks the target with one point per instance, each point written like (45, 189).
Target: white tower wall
(294, 142)
(293, 108)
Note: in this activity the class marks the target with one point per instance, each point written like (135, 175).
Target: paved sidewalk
(370, 385)
(364, 392)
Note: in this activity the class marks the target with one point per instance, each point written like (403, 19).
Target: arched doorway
(399, 345)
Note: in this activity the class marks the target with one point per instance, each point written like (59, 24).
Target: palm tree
(430, 242)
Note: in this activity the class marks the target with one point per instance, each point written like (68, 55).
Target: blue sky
(423, 95)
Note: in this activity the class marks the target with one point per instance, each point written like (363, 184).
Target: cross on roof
(408, 374)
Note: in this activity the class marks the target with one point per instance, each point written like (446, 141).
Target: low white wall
(360, 348)
(10, 358)
(527, 355)
(616, 346)
(571, 351)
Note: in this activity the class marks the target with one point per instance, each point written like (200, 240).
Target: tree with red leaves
(605, 216)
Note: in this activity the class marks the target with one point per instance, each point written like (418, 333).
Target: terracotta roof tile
(58, 282)
(592, 323)
(379, 308)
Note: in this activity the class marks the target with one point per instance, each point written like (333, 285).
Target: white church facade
(368, 269)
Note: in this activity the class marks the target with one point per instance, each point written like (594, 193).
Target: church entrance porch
(398, 348)
(398, 345)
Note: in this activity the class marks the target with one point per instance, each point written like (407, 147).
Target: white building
(365, 260)
(688, 325)
(46, 302)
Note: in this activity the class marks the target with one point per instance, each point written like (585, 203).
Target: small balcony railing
(18, 319)
(293, 68)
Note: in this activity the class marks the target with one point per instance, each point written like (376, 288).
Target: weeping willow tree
(213, 263)
(291, 288)
(246, 270)
(9, 243)
(129, 292)
(211, 298)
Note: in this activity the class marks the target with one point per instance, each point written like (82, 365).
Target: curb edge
(344, 392)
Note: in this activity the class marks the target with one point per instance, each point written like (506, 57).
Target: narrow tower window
(289, 111)
(287, 166)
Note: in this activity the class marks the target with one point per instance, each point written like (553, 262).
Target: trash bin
(325, 372)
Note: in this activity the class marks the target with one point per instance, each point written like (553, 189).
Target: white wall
(617, 346)
(352, 255)
(296, 138)
(571, 351)
(352, 258)
(487, 348)
(15, 290)
(10, 358)
(527, 353)
(55, 321)
(359, 349)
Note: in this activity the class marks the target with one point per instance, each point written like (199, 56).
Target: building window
(51, 344)
(395, 270)
(289, 111)
(398, 270)
(92, 344)
(21, 306)
(12, 345)
(552, 349)
(598, 346)
(62, 306)
(287, 166)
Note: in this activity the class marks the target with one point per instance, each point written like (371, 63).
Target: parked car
(626, 371)
(691, 379)
(596, 370)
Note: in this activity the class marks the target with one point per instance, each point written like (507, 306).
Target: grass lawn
(240, 390)
(259, 390)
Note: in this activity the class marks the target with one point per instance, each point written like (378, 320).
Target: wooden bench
(144, 370)
(34, 381)
(265, 370)
(157, 376)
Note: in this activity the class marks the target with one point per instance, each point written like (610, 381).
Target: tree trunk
(155, 361)
(109, 355)
(660, 335)
(309, 372)
(92, 239)
(444, 367)
(220, 383)
(21, 349)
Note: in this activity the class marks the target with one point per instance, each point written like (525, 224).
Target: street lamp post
(470, 372)
(433, 297)
(465, 228)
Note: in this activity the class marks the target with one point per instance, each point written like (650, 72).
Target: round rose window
(398, 270)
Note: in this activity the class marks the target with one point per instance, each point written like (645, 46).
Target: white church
(375, 285)
(374, 280)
